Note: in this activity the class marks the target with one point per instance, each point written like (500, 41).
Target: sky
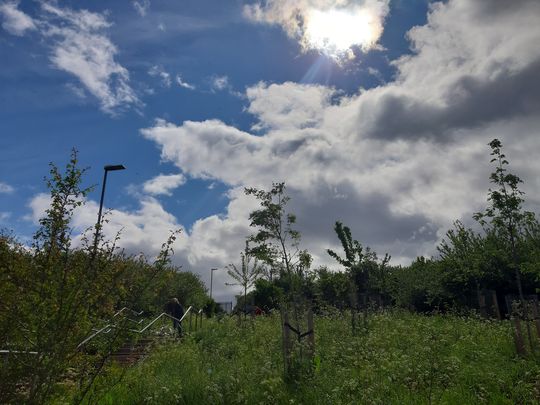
(376, 113)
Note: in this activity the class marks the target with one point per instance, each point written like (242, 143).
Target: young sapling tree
(247, 274)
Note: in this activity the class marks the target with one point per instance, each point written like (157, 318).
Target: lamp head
(109, 168)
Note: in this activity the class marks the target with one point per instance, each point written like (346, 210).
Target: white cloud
(81, 48)
(377, 74)
(145, 229)
(15, 21)
(77, 91)
(163, 184)
(398, 163)
(220, 83)
(184, 84)
(6, 188)
(158, 71)
(4, 216)
(398, 183)
(142, 230)
(332, 27)
(141, 7)
(288, 105)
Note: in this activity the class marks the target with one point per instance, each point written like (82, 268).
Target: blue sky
(217, 95)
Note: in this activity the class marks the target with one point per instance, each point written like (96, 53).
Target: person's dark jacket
(175, 309)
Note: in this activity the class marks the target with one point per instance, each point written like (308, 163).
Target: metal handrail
(16, 352)
(89, 338)
(160, 316)
(107, 328)
(185, 313)
(134, 321)
(128, 309)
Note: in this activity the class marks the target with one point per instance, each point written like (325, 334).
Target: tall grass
(402, 358)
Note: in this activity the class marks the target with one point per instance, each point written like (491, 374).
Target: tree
(276, 242)
(461, 254)
(247, 274)
(52, 297)
(332, 288)
(362, 264)
(418, 286)
(267, 294)
(505, 215)
(354, 251)
(184, 285)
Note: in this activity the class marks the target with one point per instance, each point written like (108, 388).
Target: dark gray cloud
(485, 9)
(369, 216)
(470, 102)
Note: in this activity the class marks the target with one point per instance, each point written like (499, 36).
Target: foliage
(184, 285)
(405, 358)
(276, 242)
(267, 294)
(332, 288)
(247, 274)
(504, 257)
(53, 294)
(418, 286)
(505, 213)
(365, 271)
(354, 257)
(211, 307)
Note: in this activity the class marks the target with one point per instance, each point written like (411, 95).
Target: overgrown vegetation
(405, 359)
(421, 340)
(53, 293)
(502, 255)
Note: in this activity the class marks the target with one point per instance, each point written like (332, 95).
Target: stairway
(131, 353)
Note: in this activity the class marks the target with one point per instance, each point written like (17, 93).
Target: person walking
(176, 310)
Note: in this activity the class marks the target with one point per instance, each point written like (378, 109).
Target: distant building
(226, 306)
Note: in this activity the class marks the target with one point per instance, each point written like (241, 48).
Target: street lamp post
(106, 169)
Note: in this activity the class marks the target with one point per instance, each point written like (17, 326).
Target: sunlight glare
(334, 32)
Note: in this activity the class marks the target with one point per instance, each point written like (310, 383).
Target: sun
(334, 32)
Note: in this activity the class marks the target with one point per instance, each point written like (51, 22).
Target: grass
(402, 358)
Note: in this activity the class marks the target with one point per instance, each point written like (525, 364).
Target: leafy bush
(54, 293)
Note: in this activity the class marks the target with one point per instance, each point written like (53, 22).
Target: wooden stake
(518, 337)
(286, 336)
(495, 304)
(311, 336)
(482, 304)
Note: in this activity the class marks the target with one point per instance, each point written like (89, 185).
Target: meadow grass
(401, 358)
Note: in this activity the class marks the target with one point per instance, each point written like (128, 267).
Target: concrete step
(131, 353)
